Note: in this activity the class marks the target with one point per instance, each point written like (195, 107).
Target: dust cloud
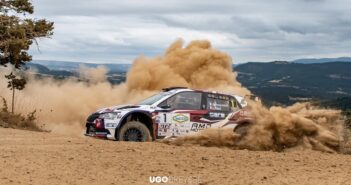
(64, 105)
(197, 66)
(300, 126)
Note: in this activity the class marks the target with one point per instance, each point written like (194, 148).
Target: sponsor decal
(217, 115)
(165, 126)
(199, 126)
(111, 125)
(180, 118)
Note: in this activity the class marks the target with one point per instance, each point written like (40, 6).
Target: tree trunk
(13, 100)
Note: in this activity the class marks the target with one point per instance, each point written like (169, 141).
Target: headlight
(110, 115)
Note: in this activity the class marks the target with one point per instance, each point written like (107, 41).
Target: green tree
(17, 33)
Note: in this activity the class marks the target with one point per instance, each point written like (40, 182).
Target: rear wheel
(134, 131)
(242, 129)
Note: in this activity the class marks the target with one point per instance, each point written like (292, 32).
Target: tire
(242, 129)
(134, 131)
(90, 129)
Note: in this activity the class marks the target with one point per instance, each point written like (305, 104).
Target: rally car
(176, 111)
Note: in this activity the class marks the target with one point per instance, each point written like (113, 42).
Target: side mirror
(165, 107)
(253, 98)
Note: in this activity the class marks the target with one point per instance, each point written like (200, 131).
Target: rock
(132, 149)
(204, 158)
(297, 160)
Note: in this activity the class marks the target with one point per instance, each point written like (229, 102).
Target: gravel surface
(28, 157)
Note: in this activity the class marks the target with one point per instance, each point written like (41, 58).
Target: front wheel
(134, 131)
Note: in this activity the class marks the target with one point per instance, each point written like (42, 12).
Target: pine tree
(13, 84)
(17, 33)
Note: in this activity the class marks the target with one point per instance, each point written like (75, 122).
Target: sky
(118, 31)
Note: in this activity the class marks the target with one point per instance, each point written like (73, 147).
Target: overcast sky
(117, 31)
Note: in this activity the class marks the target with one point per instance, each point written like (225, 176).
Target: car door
(219, 107)
(185, 109)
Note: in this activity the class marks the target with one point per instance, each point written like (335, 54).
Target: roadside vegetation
(18, 121)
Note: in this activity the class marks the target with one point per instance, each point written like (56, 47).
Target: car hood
(126, 108)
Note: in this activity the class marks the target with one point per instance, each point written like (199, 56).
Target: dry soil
(28, 157)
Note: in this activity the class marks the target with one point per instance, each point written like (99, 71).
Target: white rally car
(176, 111)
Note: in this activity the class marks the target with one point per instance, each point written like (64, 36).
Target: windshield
(151, 100)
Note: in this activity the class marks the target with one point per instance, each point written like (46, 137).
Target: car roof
(185, 89)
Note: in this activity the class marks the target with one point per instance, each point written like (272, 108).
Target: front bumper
(92, 131)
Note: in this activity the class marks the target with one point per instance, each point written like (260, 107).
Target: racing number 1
(165, 116)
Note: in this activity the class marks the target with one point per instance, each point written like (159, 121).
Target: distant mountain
(123, 68)
(37, 67)
(45, 71)
(74, 66)
(61, 70)
(286, 83)
(321, 60)
(343, 103)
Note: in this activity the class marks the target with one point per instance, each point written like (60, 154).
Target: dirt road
(45, 158)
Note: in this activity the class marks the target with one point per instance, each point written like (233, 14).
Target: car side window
(234, 104)
(184, 100)
(221, 103)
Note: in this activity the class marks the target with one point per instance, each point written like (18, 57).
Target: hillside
(43, 70)
(61, 70)
(321, 60)
(74, 66)
(286, 83)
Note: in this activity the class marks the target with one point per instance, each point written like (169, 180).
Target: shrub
(18, 121)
